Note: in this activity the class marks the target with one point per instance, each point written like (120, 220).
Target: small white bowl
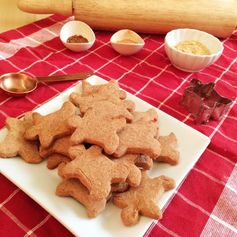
(72, 28)
(187, 61)
(126, 42)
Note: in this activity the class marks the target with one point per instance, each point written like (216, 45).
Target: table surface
(205, 204)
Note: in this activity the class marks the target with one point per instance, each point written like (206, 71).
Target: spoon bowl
(17, 83)
(20, 84)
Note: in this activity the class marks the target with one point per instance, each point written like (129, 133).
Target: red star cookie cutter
(203, 102)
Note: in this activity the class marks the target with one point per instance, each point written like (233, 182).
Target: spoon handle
(68, 77)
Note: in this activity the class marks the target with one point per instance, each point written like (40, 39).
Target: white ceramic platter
(40, 183)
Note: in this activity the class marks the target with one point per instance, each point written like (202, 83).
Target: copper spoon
(20, 84)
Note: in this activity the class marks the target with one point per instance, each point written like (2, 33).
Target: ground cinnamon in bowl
(77, 39)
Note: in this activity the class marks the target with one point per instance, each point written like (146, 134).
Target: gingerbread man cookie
(134, 173)
(106, 92)
(141, 200)
(60, 146)
(52, 126)
(95, 171)
(74, 188)
(100, 125)
(112, 87)
(14, 143)
(169, 153)
(149, 116)
(140, 136)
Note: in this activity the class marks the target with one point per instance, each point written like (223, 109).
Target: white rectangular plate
(40, 183)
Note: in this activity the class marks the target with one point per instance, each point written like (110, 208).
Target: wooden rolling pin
(218, 17)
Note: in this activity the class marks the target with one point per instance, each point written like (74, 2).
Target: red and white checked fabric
(206, 202)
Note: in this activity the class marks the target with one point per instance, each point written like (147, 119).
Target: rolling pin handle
(64, 7)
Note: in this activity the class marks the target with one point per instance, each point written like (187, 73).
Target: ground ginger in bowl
(192, 50)
(193, 47)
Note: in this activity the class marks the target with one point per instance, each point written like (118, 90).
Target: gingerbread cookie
(14, 143)
(95, 171)
(52, 126)
(149, 116)
(106, 92)
(169, 153)
(55, 160)
(141, 200)
(75, 189)
(140, 136)
(134, 173)
(60, 146)
(100, 125)
(89, 91)
(134, 178)
(112, 86)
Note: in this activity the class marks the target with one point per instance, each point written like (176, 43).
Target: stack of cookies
(102, 148)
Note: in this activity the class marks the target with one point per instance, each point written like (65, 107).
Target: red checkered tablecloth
(206, 202)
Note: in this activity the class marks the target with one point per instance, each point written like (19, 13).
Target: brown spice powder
(77, 39)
